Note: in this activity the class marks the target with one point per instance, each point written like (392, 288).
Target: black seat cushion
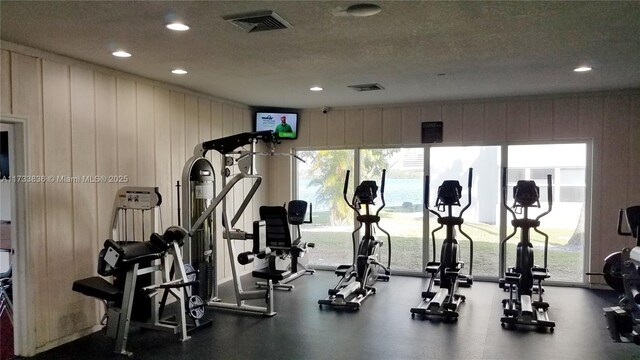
(267, 274)
(98, 287)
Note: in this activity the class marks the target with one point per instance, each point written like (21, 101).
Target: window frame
(504, 160)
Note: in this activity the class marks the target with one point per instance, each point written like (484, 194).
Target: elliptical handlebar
(504, 192)
(426, 192)
(549, 191)
(426, 197)
(346, 184)
(344, 193)
(384, 172)
(549, 197)
(469, 184)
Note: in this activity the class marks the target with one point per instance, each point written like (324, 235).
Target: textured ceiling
(486, 49)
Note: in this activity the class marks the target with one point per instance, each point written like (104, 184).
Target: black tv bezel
(277, 110)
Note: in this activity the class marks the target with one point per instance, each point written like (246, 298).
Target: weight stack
(205, 285)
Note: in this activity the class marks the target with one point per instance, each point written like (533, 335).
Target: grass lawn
(333, 246)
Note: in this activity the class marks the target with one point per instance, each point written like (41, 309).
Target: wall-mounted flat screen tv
(283, 124)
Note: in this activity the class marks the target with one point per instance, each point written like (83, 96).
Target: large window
(565, 225)
(321, 179)
(402, 215)
(482, 218)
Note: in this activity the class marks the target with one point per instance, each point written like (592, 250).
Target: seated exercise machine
(134, 265)
(623, 320)
(6, 311)
(519, 280)
(234, 154)
(612, 269)
(6, 291)
(446, 300)
(356, 280)
(278, 239)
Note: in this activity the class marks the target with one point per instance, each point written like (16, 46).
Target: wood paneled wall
(84, 120)
(611, 120)
(87, 121)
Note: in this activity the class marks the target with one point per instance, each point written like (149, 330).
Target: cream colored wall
(84, 120)
(611, 120)
(87, 120)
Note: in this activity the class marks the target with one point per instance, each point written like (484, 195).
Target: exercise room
(319, 180)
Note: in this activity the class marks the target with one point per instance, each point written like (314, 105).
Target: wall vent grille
(367, 87)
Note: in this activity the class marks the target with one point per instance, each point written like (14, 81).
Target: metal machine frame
(519, 280)
(245, 162)
(356, 280)
(294, 251)
(131, 204)
(623, 321)
(446, 300)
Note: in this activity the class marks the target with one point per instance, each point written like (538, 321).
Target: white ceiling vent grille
(258, 21)
(367, 87)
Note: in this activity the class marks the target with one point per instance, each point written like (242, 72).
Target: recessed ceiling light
(178, 26)
(121, 53)
(582, 69)
(179, 71)
(316, 88)
(361, 10)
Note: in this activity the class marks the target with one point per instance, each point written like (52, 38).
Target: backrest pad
(278, 234)
(633, 218)
(297, 210)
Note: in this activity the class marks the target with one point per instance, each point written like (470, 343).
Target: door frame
(23, 304)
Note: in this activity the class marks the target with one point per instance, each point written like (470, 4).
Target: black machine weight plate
(613, 271)
(195, 307)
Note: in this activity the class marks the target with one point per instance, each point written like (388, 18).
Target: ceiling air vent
(258, 21)
(366, 87)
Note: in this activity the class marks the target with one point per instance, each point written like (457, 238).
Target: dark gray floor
(382, 329)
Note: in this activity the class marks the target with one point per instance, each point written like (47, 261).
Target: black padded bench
(277, 275)
(122, 256)
(98, 287)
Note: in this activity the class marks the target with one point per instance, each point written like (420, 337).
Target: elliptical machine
(519, 280)
(446, 300)
(623, 320)
(356, 280)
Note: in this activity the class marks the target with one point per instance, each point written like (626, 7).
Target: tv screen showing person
(282, 124)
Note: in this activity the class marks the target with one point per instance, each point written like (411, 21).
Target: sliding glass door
(565, 225)
(402, 216)
(482, 218)
(320, 181)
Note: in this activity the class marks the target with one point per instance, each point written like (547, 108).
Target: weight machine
(200, 214)
(278, 219)
(623, 321)
(6, 291)
(134, 266)
(198, 189)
